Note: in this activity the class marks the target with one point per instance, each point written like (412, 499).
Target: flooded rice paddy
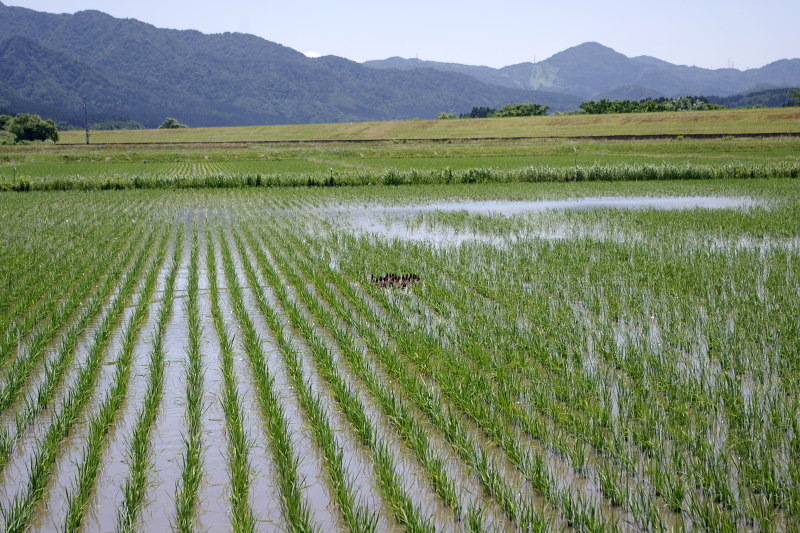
(262, 361)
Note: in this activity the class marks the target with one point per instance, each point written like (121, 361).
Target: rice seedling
(403, 508)
(192, 457)
(55, 368)
(18, 515)
(594, 370)
(101, 421)
(357, 516)
(139, 444)
(242, 518)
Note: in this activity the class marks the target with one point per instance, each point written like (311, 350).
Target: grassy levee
(749, 121)
(731, 144)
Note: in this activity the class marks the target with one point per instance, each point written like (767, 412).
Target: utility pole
(86, 119)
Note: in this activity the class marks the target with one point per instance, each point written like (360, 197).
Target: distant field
(393, 162)
(780, 120)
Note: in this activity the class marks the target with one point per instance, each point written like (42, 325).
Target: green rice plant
(135, 486)
(355, 514)
(18, 515)
(296, 511)
(101, 421)
(19, 371)
(192, 457)
(398, 412)
(518, 510)
(403, 508)
(55, 369)
(242, 517)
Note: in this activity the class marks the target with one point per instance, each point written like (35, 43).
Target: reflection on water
(379, 219)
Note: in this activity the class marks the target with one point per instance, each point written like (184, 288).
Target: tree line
(26, 128)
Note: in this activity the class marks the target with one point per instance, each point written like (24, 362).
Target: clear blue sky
(499, 33)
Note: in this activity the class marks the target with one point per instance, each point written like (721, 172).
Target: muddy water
(166, 440)
(213, 494)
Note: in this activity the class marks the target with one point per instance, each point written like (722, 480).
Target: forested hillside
(129, 69)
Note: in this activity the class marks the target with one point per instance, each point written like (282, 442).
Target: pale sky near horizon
(707, 34)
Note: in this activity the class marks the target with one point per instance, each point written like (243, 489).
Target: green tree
(793, 93)
(171, 124)
(5, 120)
(27, 127)
(446, 116)
(522, 110)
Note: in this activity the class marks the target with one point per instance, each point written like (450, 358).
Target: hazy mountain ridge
(129, 68)
(591, 70)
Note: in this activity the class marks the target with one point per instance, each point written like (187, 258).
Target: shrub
(171, 124)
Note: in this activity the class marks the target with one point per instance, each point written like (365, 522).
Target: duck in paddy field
(395, 280)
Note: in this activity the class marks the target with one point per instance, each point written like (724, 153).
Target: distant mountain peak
(593, 70)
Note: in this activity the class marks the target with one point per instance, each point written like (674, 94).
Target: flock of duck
(395, 280)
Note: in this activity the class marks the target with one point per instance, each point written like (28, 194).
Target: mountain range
(128, 69)
(594, 71)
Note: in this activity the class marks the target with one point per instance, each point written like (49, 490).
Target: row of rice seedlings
(18, 374)
(242, 518)
(398, 412)
(506, 376)
(524, 513)
(357, 516)
(403, 508)
(28, 273)
(53, 291)
(101, 421)
(139, 446)
(56, 367)
(192, 457)
(18, 515)
(29, 307)
(575, 510)
(296, 509)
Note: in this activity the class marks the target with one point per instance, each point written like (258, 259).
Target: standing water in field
(408, 223)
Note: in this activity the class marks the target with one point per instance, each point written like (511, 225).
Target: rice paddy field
(580, 356)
